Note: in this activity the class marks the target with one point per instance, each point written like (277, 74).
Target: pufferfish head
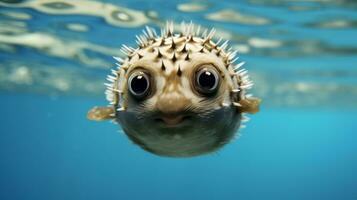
(178, 94)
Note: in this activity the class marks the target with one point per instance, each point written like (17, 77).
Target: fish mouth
(173, 120)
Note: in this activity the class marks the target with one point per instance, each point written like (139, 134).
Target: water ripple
(114, 15)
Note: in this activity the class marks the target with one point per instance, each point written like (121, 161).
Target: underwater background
(54, 58)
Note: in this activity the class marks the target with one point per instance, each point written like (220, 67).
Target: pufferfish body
(178, 94)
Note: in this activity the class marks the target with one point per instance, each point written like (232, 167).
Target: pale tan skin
(175, 119)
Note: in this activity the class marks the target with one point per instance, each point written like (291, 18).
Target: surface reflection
(66, 47)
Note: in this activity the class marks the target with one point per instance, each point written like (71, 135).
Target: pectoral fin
(249, 105)
(101, 113)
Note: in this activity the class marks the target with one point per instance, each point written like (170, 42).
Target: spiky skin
(172, 60)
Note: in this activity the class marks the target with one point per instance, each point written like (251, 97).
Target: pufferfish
(178, 94)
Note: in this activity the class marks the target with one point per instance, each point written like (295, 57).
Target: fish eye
(139, 84)
(207, 80)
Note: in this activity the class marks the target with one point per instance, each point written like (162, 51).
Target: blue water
(50, 151)
(301, 145)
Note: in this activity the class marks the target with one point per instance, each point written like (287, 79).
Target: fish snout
(173, 119)
(173, 109)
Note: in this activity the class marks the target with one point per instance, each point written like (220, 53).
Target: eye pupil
(207, 80)
(139, 85)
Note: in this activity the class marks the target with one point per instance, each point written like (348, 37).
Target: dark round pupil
(207, 80)
(139, 84)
